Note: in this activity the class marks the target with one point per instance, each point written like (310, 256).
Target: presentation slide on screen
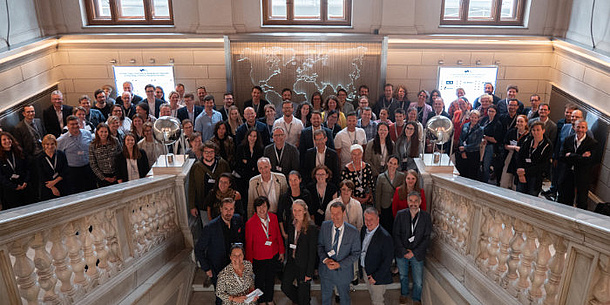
(141, 76)
(472, 79)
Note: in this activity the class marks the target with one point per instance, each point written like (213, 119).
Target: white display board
(141, 76)
(472, 79)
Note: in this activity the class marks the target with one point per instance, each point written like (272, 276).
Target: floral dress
(362, 179)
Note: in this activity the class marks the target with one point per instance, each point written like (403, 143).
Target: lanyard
(287, 129)
(269, 189)
(238, 280)
(413, 225)
(12, 165)
(318, 159)
(265, 227)
(52, 165)
(396, 130)
(321, 198)
(279, 158)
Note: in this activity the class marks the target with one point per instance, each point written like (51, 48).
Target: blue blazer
(210, 248)
(379, 255)
(349, 252)
(183, 114)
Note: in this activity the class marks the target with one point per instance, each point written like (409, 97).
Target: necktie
(336, 241)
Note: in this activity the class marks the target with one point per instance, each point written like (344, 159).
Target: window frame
(495, 18)
(268, 19)
(115, 18)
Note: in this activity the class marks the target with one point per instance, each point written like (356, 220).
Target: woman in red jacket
(411, 184)
(264, 247)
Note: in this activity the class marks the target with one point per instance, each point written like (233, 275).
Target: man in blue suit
(307, 138)
(376, 256)
(338, 249)
(213, 247)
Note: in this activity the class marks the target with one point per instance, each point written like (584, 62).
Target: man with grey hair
(376, 256)
(54, 117)
(128, 87)
(284, 156)
(268, 184)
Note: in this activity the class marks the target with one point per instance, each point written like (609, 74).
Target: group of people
(80, 148)
(500, 141)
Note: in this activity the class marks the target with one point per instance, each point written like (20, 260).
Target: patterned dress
(231, 285)
(362, 179)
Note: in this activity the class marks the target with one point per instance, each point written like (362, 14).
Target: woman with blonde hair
(52, 166)
(300, 255)
(234, 120)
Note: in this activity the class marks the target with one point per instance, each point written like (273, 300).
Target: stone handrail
(82, 248)
(510, 248)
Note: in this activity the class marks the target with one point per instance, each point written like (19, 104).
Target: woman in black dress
(322, 190)
(294, 192)
(52, 165)
(246, 155)
(14, 173)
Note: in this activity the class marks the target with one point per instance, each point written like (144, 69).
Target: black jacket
(379, 255)
(121, 164)
(402, 233)
(51, 122)
(305, 256)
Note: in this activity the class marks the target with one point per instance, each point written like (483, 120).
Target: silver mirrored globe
(439, 129)
(166, 130)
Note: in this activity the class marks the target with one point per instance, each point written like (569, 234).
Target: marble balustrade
(74, 249)
(510, 248)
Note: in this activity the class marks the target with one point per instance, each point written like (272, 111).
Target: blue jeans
(487, 159)
(417, 272)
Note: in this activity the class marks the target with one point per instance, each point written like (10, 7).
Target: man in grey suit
(283, 155)
(29, 132)
(338, 249)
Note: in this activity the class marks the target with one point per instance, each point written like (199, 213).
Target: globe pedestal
(162, 167)
(444, 164)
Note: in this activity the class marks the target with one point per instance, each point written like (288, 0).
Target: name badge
(55, 175)
(412, 239)
(360, 189)
(331, 253)
(81, 152)
(14, 176)
(211, 180)
(268, 243)
(513, 142)
(293, 246)
(320, 212)
(278, 168)
(528, 160)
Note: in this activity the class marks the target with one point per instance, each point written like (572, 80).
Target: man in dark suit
(191, 111)
(134, 98)
(257, 103)
(318, 155)
(338, 249)
(306, 141)
(283, 155)
(488, 89)
(511, 94)
(54, 117)
(153, 103)
(376, 256)
(579, 155)
(29, 132)
(213, 246)
(412, 229)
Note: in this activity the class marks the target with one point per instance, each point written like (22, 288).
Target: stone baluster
(505, 237)
(542, 258)
(556, 267)
(171, 199)
(24, 271)
(75, 253)
(484, 240)
(601, 289)
(44, 268)
(63, 270)
(162, 211)
(101, 249)
(515, 252)
(135, 227)
(463, 229)
(494, 241)
(148, 220)
(90, 254)
(528, 251)
(114, 254)
(154, 218)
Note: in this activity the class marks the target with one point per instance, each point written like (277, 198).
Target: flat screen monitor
(472, 79)
(141, 76)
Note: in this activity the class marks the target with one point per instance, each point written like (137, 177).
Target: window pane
(306, 9)
(102, 8)
(131, 8)
(479, 9)
(278, 8)
(161, 8)
(452, 9)
(509, 9)
(336, 8)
